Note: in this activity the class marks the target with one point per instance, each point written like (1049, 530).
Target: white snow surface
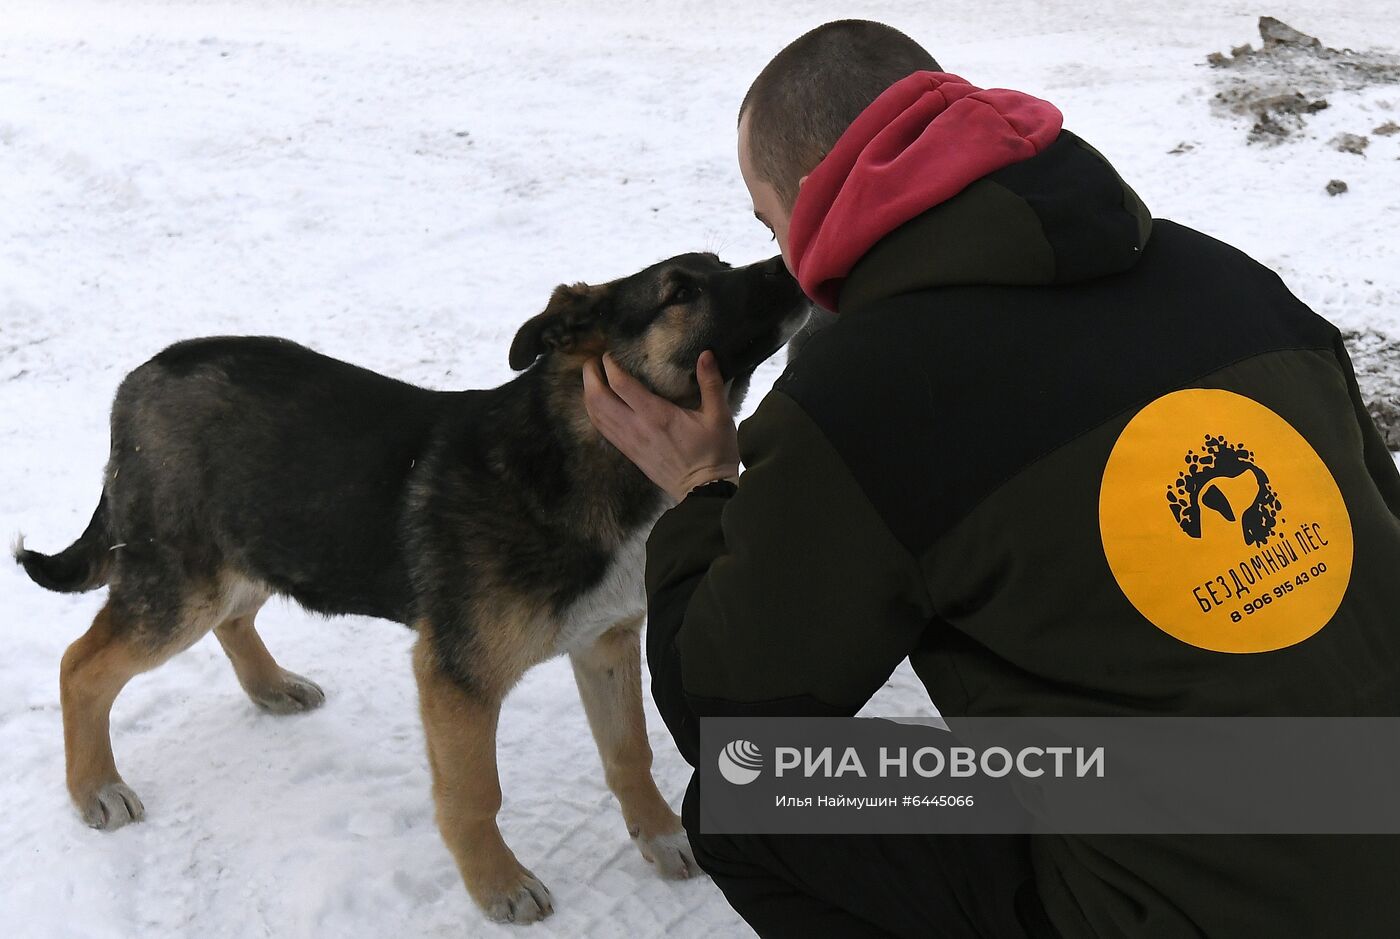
(401, 184)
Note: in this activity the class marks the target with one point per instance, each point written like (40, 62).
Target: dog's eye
(683, 294)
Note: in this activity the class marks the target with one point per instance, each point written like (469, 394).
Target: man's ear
(572, 312)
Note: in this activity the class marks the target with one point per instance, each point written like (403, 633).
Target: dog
(498, 524)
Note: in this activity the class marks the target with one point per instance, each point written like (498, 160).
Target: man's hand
(678, 449)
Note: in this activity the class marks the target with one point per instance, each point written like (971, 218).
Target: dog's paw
(111, 807)
(671, 854)
(526, 900)
(294, 694)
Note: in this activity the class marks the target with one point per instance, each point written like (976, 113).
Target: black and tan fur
(496, 523)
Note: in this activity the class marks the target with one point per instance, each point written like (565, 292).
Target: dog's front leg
(609, 675)
(461, 731)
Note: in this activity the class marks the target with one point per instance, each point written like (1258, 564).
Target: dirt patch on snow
(1290, 77)
(1376, 359)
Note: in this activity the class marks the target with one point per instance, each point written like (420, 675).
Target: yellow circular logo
(1222, 525)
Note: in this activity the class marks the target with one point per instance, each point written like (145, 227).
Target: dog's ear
(572, 313)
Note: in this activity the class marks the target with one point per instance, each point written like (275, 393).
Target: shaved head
(803, 100)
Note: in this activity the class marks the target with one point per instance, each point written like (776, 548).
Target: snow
(401, 184)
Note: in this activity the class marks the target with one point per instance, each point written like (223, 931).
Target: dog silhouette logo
(1199, 487)
(740, 762)
(1219, 564)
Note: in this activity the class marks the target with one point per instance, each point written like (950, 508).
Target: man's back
(1067, 459)
(1100, 483)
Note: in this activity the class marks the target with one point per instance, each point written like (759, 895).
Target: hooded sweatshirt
(907, 152)
(1050, 451)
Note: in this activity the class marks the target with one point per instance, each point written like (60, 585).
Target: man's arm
(787, 595)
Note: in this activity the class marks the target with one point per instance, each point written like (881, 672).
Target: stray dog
(499, 524)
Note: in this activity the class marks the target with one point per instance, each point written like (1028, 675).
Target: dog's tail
(83, 565)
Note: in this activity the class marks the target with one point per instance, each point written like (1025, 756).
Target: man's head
(805, 99)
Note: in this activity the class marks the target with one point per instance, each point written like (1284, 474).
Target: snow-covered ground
(401, 184)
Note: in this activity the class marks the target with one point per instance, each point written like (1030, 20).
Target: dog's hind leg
(461, 732)
(95, 668)
(153, 612)
(609, 676)
(271, 686)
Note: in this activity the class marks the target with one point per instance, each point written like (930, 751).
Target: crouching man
(1008, 460)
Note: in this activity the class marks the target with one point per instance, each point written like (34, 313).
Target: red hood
(920, 143)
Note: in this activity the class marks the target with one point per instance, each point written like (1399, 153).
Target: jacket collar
(1060, 217)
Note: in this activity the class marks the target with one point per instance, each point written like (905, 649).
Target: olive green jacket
(1055, 453)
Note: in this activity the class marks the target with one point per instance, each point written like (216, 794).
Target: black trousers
(842, 886)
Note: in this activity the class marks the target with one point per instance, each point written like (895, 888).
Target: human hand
(677, 448)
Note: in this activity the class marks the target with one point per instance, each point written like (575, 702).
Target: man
(1053, 451)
